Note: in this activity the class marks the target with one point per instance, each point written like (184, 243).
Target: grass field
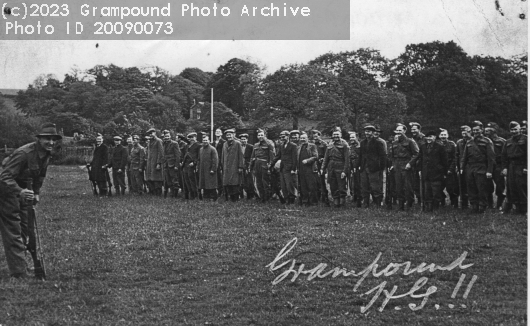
(154, 261)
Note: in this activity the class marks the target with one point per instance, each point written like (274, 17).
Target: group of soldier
(412, 170)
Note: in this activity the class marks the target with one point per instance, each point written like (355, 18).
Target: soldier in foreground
(478, 161)
(25, 168)
(137, 161)
(337, 163)
(515, 168)
(118, 163)
(98, 165)
(323, 194)
(208, 163)
(450, 184)
(171, 165)
(233, 165)
(496, 183)
(372, 163)
(189, 166)
(248, 182)
(307, 171)
(260, 164)
(460, 146)
(287, 155)
(155, 159)
(433, 164)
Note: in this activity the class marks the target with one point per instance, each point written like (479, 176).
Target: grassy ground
(150, 261)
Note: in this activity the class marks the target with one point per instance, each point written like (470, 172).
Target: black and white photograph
(251, 162)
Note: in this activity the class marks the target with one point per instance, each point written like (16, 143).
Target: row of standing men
(418, 168)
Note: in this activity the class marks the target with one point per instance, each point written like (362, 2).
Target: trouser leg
(11, 230)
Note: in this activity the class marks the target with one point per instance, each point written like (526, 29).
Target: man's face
(488, 132)
(136, 140)
(415, 130)
(303, 138)
(129, 140)
(117, 142)
(205, 140)
(444, 135)
(335, 136)
(244, 140)
(99, 140)
(477, 131)
(284, 139)
(523, 130)
(430, 139)
(167, 137)
(229, 136)
(376, 134)
(47, 142)
(261, 136)
(353, 137)
(515, 131)
(295, 137)
(466, 133)
(218, 133)
(316, 136)
(400, 130)
(368, 133)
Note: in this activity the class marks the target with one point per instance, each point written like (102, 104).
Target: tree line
(435, 83)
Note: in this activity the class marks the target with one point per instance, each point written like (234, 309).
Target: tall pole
(211, 116)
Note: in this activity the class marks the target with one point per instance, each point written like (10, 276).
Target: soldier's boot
(506, 207)
(490, 201)
(123, 191)
(342, 201)
(500, 200)
(282, 200)
(175, 192)
(401, 205)
(336, 202)
(166, 190)
(366, 202)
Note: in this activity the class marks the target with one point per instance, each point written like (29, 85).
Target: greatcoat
(208, 161)
(232, 161)
(155, 155)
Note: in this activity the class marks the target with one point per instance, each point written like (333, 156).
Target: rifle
(421, 192)
(94, 188)
(34, 243)
(109, 183)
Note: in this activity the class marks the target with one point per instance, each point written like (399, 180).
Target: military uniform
(248, 182)
(323, 193)
(497, 183)
(171, 167)
(404, 151)
(233, 165)
(262, 157)
(337, 161)
(419, 139)
(218, 144)
(98, 171)
(137, 160)
(450, 184)
(433, 164)
(118, 162)
(372, 163)
(287, 154)
(477, 160)
(459, 153)
(188, 172)
(308, 173)
(514, 159)
(354, 177)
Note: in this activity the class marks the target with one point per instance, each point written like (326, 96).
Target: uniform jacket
(372, 155)
(321, 148)
(119, 158)
(479, 154)
(192, 154)
(183, 146)
(262, 151)
(232, 161)
(403, 151)
(515, 151)
(155, 155)
(129, 150)
(137, 158)
(433, 162)
(498, 144)
(247, 154)
(450, 150)
(311, 153)
(29, 162)
(459, 152)
(355, 151)
(208, 161)
(99, 159)
(171, 154)
(287, 154)
(338, 152)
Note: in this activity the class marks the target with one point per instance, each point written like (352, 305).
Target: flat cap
(284, 133)
(150, 130)
(165, 132)
(231, 131)
(430, 133)
(337, 129)
(377, 128)
(316, 132)
(369, 127)
(465, 128)
(192, 134)
(294, 132)
(412, 124)
(514, 124)
(243, 136)
(117, 138)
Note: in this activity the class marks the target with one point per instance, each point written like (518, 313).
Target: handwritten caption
(290, 269)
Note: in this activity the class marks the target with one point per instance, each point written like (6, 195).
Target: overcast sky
(386, 25)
